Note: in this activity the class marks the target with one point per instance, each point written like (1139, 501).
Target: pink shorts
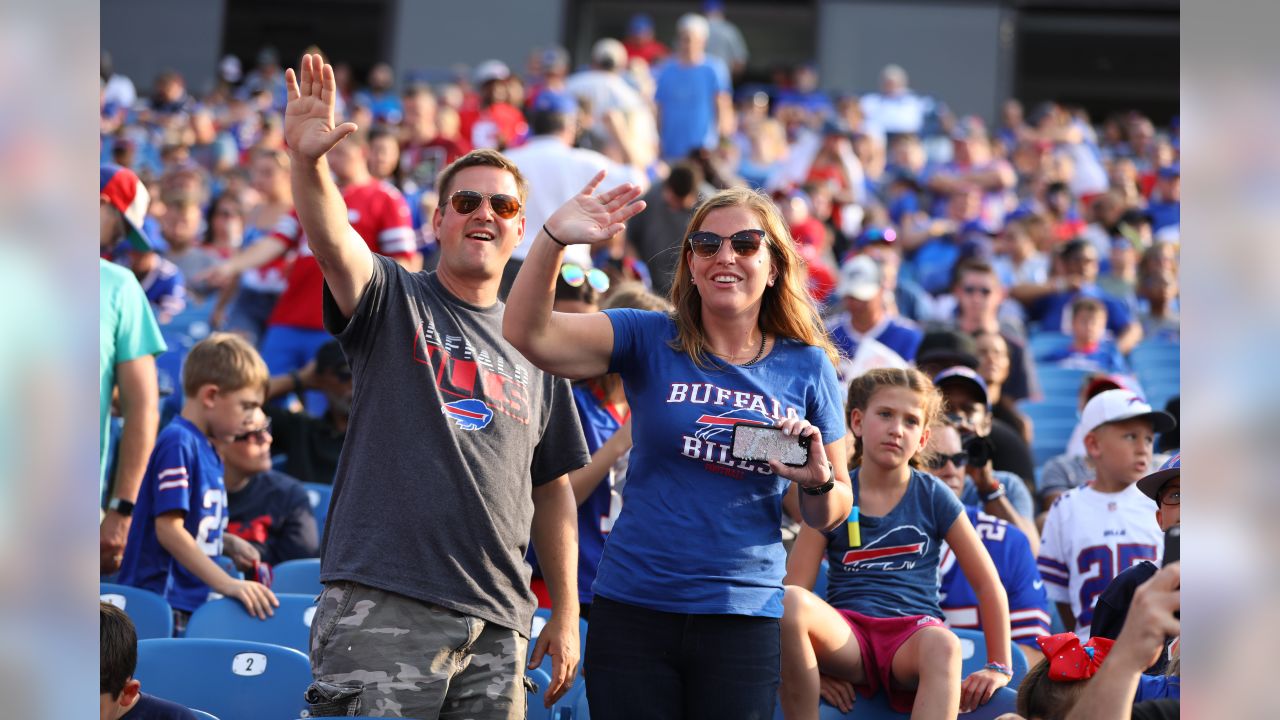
(878, 641)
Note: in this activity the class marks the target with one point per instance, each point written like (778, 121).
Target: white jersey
(1089, 537)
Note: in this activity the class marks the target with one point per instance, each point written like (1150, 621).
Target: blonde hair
(632, 294)
(865, 386)
(786, 310)
(224, 360)
(1039, 696)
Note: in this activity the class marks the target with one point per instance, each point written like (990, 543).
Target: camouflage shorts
(380, 654)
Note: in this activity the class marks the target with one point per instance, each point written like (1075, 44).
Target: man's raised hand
(308, 117)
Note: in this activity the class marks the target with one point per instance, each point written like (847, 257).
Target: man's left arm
(555, 537)
(140, 407)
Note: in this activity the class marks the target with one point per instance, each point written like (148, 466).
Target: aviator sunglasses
(745, 243)
(574, 275)
(466, 202)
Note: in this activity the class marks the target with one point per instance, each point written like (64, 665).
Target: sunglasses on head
(259, 435)
(745, 243)
(960, 459)
(465, 202)
(574, 275)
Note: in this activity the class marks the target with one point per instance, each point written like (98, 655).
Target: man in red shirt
(378, 213)
(640, 42)
(489, 120)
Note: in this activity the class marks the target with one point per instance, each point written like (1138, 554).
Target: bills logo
(898, 549)
(720, 427)
(469, 414)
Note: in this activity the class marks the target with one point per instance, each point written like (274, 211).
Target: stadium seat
(319, 495)
(973, 650)
(232, 679)
(298, 577)
(227, 619)
(151, 615)
(228, 566)
(877, 708)
(1150, 355)
(1043, 343)
(1060, 383)
(202, 715)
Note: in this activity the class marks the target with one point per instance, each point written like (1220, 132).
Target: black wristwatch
(824, 488)
(122, 506)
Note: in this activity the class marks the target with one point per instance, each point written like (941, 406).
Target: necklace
(759, 353)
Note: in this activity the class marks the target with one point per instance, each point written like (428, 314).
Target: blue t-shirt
(1016, 566)
(1106, 359)
(894, 571)
(1053, 312)
(899, 335)
(1014, 488)
(595, 516)
(184, 473)
(686, 97)
(699, 531)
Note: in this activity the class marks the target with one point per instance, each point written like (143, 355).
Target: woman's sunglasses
(960, 459)
(259, 435)
(745, 243)
(466, 202)
(575, 275)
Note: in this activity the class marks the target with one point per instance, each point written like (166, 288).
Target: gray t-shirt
(1064, 472)
(450, 430)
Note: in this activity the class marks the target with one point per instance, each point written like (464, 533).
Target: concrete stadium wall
(961, 53)
(428, 36)
(147, 36)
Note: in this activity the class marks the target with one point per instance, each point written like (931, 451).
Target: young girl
(883, 626)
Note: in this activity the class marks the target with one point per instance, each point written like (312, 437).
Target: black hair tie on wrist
(553, 237)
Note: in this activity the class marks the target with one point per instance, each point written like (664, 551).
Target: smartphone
(1172, 541)
(766, 442)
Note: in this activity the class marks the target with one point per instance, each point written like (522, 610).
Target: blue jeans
(648, 664)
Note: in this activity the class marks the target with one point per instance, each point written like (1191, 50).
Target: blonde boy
(1096, 531)
(181, 512)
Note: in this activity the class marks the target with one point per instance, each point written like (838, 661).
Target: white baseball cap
(860, 278)
(1117, 405)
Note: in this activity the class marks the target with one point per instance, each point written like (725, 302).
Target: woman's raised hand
(590, 218)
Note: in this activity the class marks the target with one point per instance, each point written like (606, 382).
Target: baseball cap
(1102, 383)
(640, 23)
(126, 193)
(555, 57)
(1117, 405)
(550, 101)
(961, 375)
(860, 278)
(491, 70)
(944, 348)
(1151, 484)
(875, 234)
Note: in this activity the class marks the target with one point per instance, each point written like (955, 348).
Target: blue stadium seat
(1059, 383)
(534, 709)
(1043, 343)
(151, 615)
(228, 566)
(227, 619)
(202, 715)
(298, 577)
(319, 495)
(1148, 355)
(973, 650)
(877, 708)
(233, 679)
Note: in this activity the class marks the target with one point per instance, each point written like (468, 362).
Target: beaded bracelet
(1000, 668)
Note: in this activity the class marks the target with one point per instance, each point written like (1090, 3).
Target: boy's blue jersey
(1016, 566)
(184, 474)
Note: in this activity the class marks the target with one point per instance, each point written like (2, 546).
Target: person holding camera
(999, 493)
(1011, 547)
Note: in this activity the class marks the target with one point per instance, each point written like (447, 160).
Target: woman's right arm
(574, 346)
